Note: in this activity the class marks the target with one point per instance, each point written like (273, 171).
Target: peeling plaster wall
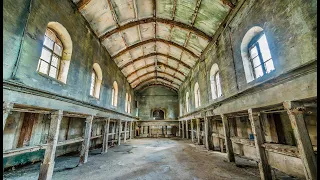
(87, 50)
(157, 97)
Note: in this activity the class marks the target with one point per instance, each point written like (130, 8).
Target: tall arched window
(114, 96)
(126, 103)
(197, 95)
(187, 102)
(96, 79)
(215, 82)
(129, 104)
(56, 52)
(255, 52)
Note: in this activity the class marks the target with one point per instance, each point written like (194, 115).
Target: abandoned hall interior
(159, 89)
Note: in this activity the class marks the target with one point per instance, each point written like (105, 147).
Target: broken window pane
(269, 66)
(258, 71)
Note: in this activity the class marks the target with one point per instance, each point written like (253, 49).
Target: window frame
(94, 83)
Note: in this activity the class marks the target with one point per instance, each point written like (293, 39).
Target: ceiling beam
(153, 81)
(163, 78)
(150, 65)
(160, 20)
(155, 54)
(155, 40)
(158, 84)
(148, 73)
(82, 3)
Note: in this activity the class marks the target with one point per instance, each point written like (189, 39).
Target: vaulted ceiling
(154, 42)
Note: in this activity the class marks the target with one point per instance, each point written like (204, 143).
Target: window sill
(93, 97)
(262, 78)
(51, 78)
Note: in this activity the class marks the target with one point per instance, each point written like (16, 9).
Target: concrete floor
(147, 159)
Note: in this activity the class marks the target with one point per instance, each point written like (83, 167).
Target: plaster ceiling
(154, 42)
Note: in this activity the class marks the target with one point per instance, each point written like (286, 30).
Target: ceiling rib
(153, 65)
(174, 9)
(166, 79)
(145, 86)
(146, 74)
(155, 54)
(81, 4)
(160, 20)
(155, 40)
(152, 81)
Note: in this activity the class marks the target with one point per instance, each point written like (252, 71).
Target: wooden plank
(131, 130)
(206, 133)
(192, 134)
(86, 143)
(125, 131)
(259, 139)
(198, 130)
(229, 148)
(182, 124)
(46, 168)
(295, 112)
(7, 107)
(179, 133)
(187, 130)
(106, 136)
(119, 131)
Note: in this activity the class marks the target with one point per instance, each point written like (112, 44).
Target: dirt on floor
(147, 159)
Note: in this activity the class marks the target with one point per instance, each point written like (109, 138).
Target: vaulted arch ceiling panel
(162, 41)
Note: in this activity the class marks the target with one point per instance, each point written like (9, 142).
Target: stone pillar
(182, 125)
(295, 113)
(46, 168)
(228, 141)
(206, 129)
(141, 130)
(192, 134)
(7, 107)
(131, 129)
(179, 133)
(86, 142)
(198, 130)
(106, 136)
(259, 139)
(187, 130)
(125, 131)
(120, 131)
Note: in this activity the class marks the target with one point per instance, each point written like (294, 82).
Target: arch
(114, 97)
(158, 114)
(245, 53)
(187, 102)
(129, 104)
(153, 82)
(126, 102)
(157, 77)
(65, 38)
(197, 95)
(96, 80)
(215, 81)
(159, 72)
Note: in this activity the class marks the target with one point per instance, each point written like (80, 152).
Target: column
(295, 113)
(259, 139)
(131, 130)
(179, 133)
(192, 134)
(226, 128)
(119, 131)
(198, 130)
(187, 131)
(7, 107)
(106, 136)
(86, 142)
(46, 168)
(125, 131)
(206, 132)
(182, 125)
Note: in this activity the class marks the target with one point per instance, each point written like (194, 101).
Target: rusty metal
(154, 72)
(160, 20)
(153, 65)
(155, 40)
(155, 54)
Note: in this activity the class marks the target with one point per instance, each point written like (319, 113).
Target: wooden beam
(198, 130)
(229, 148)
(153, 83)
(187, 130)
(120, 131)
(82, 3)
(295, 112)
(155, 54)
(106, 136)
(182, 124)
(152, 72)
(192, 134)
(131, 130)
(155, 40)
(7, 107)
(86, 142)
(181, 25)
(154, 78)
(46, 168)
(125, 131)
(206, 132)
(259, 139)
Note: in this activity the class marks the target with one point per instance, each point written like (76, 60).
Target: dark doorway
(158, 114)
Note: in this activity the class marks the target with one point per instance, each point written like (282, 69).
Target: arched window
(114, 96)
(126, 102)
(129, 104)
(96, 79)
(215, 82)
(56, 52)
(187, 102)
(197, 95)
(256, 56)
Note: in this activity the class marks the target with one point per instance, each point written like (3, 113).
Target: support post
(192, 134)
(131, 129)
(125, 131)
(198, 130)
(206, 132)
(228, 141)
(179, 133)
(46, 168)
(187, 130)
(7, 107)
(120, 129)
(295, 113)
(106, 136)
(86, 142)
(259, 139)
(182, 125)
